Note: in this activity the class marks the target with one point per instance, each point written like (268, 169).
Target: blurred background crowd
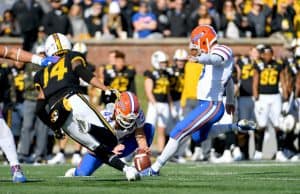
(267, 88)
(109, 19)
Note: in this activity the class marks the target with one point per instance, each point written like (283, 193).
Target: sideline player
(70, 112)
(218, 61)
(128, 119)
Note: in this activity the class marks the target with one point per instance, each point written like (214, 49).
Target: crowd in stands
(84, 19)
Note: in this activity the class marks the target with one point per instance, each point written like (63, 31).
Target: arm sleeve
(230, 92)
(210, 59)
(84, 73)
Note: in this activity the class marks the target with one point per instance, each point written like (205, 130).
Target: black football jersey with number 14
(58, 79)
(269, 76)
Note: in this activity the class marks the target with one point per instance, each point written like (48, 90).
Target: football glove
(49, 60)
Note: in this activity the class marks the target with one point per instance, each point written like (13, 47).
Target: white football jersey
(212, 81)
(108, 115)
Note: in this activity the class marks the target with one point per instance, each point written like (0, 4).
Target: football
(141, 160)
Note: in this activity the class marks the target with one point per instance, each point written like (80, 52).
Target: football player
(218, 62)
(267, 105)
(176, 72)
(119, 76)
(127, 118)
(157, 86)
(70, 112)
(59, 158)
(245, 100)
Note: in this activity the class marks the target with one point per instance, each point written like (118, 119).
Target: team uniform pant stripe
(195, 120)
(102, 119)
(212, 116)
(202, 122)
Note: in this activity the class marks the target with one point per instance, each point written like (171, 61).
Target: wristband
(36, 59)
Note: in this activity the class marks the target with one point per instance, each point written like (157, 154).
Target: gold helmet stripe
(57, 42)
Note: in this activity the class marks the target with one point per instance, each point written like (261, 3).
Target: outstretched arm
(18, 54)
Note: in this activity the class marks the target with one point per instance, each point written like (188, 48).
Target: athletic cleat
(198, 154)
(70, 172)
(17, 174)
(280, 157)
(59, 158)
(257, 155)
(225, 158)
(148, 172)
(245, 125)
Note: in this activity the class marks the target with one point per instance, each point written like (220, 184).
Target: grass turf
(256, 178)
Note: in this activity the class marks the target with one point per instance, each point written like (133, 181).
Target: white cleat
(70, 172)
(257, 155)
(280, 157)
(131, 173)
(212, 156)
(237, 154)
(198, 154)
(295, 158)
(76, 159)
(59, 158)
(225, 158)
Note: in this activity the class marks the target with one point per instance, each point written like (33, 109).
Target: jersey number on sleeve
(58, 70)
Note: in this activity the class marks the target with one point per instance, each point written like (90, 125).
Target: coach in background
(32, 125)
(266, 78)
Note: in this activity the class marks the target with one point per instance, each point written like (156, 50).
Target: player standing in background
(157, 89)
(245, 100)
(119, 76)
(32, 125)
(70, 112)
(290, 106)
(218, 61)
(176, 72)
(15, 106)
(266, 78)
(128, 120)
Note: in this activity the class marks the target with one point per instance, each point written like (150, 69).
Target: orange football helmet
(127, 109)
(202, 37)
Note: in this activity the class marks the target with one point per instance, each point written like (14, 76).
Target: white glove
(285, 108)
(131, 173)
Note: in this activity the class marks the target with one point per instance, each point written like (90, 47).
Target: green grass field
(256, 178)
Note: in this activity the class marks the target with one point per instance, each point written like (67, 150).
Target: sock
(88, 165)
(259, 138)
(7, 143)
(168, 152)
(280, 136)
(115, 162)
(62, 151)
(215, 130)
